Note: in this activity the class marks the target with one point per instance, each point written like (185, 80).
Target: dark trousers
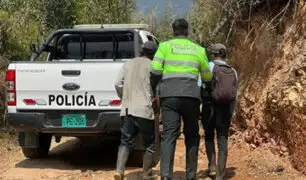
(130, 128)
(172, 111)
(220, 121)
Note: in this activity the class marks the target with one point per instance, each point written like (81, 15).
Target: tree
(203, 18)
(105, 11)
(55, 14)
(164, 30)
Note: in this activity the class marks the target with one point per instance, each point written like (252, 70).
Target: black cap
(180, 24)
(149, 47)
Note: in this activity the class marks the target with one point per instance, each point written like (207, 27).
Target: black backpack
(224, 85)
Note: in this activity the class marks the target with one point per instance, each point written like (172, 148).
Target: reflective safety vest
(181, 61)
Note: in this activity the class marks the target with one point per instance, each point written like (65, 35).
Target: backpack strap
(222, 64)
(228, 66)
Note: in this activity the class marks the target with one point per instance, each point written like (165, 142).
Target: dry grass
(2, 99)
(7, 141)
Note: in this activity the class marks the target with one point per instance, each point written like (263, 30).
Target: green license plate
(74, 120)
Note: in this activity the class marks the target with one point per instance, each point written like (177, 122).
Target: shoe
(211, 156)
(148, 159)
(118, 176)
(123, 154)
(222, 158)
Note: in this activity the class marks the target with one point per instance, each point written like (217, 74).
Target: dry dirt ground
(72, 159)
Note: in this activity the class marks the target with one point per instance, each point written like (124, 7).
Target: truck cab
(67, 87)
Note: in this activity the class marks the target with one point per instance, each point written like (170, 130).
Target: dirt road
(72, 159)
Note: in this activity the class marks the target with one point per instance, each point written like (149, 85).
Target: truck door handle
(71, 72)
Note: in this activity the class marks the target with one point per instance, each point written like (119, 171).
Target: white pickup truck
(71, 92)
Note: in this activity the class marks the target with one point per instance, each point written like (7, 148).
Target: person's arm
(120, 82)
(205, 70)
(157, 67)
(237, 81)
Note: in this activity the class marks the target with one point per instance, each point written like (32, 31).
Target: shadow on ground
(230, 173)
(78, 155)
(180, 175)
(177, 175)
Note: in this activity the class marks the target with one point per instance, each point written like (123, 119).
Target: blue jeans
(131, 126)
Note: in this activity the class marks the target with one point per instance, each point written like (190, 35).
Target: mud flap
(28, 139)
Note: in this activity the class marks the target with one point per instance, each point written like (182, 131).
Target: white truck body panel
(42, 81)
(111, 26)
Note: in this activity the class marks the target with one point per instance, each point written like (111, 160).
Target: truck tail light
(115, 102)
(11, 87)
(110, 103)
(29, 101)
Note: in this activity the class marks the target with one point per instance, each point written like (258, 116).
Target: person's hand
(154, 104)
(206, 111)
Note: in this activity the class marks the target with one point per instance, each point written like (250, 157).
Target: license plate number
(74, 120)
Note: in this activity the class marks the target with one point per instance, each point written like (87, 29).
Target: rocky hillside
(271, 60)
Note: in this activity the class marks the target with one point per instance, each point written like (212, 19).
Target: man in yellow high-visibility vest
(176, 66)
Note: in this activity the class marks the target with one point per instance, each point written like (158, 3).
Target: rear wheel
(43, 147)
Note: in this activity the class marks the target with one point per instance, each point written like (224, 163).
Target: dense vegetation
(23, 22)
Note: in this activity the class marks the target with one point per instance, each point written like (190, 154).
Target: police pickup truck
(67, 87)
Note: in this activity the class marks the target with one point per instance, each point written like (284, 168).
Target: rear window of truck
(96, 46)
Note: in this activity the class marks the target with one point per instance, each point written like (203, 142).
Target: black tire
(43, 149)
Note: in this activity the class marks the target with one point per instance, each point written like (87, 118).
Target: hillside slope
(272, 65)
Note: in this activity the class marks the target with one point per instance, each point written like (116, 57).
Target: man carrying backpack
(223, 93)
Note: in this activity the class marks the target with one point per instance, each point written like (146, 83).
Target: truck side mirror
(33, 48)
